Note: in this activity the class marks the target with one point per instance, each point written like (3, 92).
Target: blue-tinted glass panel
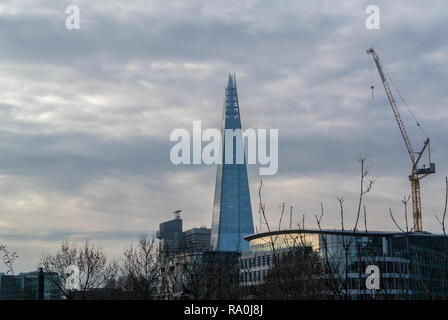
(232, 212)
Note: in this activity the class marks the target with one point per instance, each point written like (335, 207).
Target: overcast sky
(85, 115)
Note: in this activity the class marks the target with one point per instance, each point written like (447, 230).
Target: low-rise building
(411, 265)
(24, 286)
(199, 275)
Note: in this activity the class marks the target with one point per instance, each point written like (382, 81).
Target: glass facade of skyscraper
(232, 212)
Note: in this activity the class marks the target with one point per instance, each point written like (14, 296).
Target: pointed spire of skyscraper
(232, 212)
(231, 82)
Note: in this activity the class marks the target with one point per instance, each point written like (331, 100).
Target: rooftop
(339, 232)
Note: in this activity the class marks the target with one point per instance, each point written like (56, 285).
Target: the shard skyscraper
(232, 212)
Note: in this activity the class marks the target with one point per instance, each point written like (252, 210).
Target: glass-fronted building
(170, 235)
(411, 265)
(232, 212)
(173, 240)
(24, 286)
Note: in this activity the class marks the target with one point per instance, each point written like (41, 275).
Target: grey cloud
(85, 116)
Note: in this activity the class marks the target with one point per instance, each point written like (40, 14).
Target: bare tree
(203, 275)
(12, 284)
(9, 257)
(444, 256)
(328, 271)
(337, 270)
(292, 270)
(141, 267)
(422, 266)
(294, 278)
(94, 270)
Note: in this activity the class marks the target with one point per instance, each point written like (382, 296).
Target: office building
(411, 265)
(232, 212)
(170, 235)
(24, 286)
(173, 240)
(197, 239)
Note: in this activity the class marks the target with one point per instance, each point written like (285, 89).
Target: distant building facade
(412, 266)
(197, 239)
(198, 275)
(24, 286)
(232, 212)
(170, 235)
(173, 240)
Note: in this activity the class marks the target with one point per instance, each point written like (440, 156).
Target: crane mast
(416, 172)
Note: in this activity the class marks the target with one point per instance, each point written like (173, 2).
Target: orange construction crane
(416, 173)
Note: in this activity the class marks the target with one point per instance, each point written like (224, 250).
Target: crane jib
(393, 105)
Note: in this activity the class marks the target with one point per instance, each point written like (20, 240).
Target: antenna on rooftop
(177, 214)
